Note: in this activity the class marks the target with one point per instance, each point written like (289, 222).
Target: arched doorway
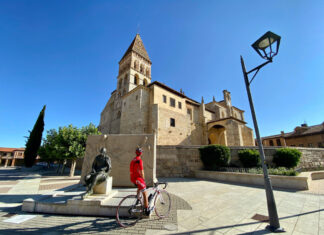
(216, 135)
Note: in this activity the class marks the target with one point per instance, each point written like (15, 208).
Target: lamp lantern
(263, 46)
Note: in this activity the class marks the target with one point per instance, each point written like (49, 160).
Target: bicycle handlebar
(158, 183)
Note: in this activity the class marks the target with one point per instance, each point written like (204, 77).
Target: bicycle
(131, 208)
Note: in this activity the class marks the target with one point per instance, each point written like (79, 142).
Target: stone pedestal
(104, 187)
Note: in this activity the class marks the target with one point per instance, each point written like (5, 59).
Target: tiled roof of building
(306, 130)
(138, 47)
(172, 90)
(10, 150)
(300, 131)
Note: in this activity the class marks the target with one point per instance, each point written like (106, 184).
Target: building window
(120, 83)
(301, 145)
(278, 142)
(172, 122)
(189, 113)
(271, 142)
(179, 105)
(135, 64)
(136, 97)
(172, 102)
(310, 145)
(320, 145)
(164, 98)
(136, 79)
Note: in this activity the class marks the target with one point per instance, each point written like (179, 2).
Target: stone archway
(216, 135)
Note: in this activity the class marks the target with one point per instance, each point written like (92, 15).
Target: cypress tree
(34, 140)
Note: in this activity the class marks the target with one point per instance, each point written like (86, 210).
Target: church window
(145, 82)
(147, 72)
(118, 114)
(136, 97)
(189, 113)
(172, 102)
(136, 79)
(142, 68)
(124, 103)
(271, 142)
(164, 98)
(172, 122)
(120, 84)
(179, 105)
(125, 79)
(136, 64)
(278, 142)
(124, 92)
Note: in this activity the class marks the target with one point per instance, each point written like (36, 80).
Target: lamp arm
(257, 70)
(260, 66)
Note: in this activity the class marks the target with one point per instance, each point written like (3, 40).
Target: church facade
(140, 106)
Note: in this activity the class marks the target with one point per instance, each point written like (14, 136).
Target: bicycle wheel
(129, 211)
(162, 204)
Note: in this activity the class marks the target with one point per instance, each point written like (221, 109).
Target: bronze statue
(100, 171)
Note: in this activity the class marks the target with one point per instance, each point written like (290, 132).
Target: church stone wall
(247, 136)
(167, 134)
(135, 111)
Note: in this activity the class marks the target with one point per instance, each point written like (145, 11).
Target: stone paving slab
(216, 208)
(10, 182)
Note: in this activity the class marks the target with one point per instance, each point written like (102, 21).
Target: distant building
(10, 156)
(140, 106)
(302, 136)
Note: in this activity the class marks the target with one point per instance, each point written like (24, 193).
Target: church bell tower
(134, 67)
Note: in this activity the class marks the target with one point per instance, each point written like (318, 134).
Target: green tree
(68, 143)
(34, 140)
(48, 151)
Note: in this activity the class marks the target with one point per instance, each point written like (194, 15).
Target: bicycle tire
(162, 204)
(127, 213)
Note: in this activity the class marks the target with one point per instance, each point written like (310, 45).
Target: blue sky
(65, 54)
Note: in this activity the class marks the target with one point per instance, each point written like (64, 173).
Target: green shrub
(249, 158)
(259, 170)
(286, 157)
(215, 156)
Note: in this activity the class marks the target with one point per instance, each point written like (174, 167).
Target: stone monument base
(71, 203)
(103, 188)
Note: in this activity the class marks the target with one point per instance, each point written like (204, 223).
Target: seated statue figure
(100, 171)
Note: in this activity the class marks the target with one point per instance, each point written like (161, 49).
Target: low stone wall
(177, 161)
(182, 161)
(287, 182)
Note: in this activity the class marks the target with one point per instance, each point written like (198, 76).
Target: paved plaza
(199, 207)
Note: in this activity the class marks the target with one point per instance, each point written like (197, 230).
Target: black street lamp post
(263, 46)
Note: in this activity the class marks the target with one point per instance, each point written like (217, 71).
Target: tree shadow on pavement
(262, 231)
(92, 226)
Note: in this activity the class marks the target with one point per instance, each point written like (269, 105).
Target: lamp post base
(274, 230)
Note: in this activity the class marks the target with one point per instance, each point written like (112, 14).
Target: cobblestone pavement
(199, 207)
(10, 206)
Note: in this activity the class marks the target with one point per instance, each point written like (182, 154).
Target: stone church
(140, 106)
